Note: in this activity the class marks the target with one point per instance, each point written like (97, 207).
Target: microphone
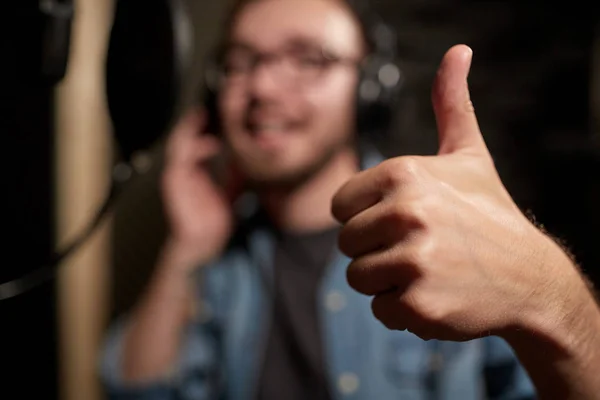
(56, 39)
(36, 50)
(150, 51)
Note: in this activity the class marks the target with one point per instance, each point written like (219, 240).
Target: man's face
(287, 102)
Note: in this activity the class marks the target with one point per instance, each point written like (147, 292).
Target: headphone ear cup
(378, 90)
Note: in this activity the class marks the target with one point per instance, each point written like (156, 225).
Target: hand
(198, 210)
(439, 242)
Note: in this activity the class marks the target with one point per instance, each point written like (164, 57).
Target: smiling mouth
(271, 128)
(268, 128)
(270, 136)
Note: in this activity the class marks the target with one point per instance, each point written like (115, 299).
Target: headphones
(379, 84)
(148, 56)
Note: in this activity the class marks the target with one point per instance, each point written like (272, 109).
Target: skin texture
(446, 254)
(317, 112)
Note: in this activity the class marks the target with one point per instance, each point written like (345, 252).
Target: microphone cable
(18, 286)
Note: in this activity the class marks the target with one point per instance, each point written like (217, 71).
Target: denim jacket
(221, 354)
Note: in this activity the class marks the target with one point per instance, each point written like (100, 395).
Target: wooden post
(83, 165)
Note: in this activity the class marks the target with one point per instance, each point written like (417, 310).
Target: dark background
(530, 83)
(28, 322)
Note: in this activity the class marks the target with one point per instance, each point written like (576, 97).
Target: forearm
(154, 334)
(561, 351)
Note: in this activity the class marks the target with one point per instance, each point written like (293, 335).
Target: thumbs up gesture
(439, 242)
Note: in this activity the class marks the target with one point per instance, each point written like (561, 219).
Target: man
(274, 316)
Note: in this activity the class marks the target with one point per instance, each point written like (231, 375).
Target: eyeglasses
(294, 65)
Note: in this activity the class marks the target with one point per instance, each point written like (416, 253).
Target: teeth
(270, 127)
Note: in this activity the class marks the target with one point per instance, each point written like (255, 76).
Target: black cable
(41, 275)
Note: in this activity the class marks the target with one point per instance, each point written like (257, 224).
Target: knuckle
(426, 312)
(399, 171)
(433, 315)
(418, 256)
(396, 215)
(391, 225)
(411, 213)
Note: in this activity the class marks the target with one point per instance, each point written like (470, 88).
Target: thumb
(457, 125)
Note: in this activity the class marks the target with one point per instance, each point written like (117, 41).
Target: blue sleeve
(194, 376)
(198, 371)
(505, 377)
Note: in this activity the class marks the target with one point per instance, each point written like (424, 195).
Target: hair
(239, 5)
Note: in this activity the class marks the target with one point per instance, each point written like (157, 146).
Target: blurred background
(535, 83)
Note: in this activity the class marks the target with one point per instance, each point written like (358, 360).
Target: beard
(288, 181)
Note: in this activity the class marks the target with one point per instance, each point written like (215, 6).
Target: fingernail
(468, 53)
(468, 57)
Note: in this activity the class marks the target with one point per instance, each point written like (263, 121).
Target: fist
(437, 240)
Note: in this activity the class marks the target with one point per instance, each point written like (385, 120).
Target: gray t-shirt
(294, 367)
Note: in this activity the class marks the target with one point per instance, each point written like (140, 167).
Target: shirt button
(348, 383)
(335, 301)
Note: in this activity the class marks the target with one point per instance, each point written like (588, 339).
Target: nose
(263, 84)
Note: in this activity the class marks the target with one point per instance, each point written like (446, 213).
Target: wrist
(555, 334)
(561, 318)
(552, 311)
(182, 255)
(560, 351)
